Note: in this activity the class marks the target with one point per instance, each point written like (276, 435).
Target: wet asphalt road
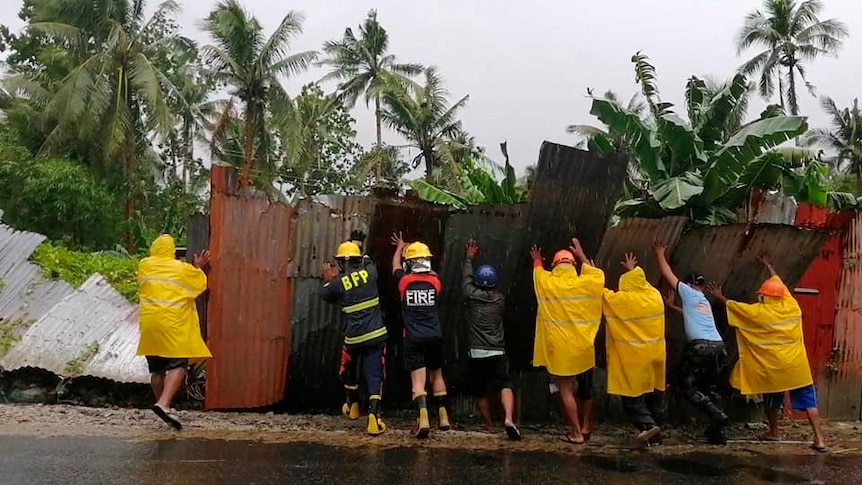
(33, 460)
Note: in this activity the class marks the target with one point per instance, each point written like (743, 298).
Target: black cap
(695, 278)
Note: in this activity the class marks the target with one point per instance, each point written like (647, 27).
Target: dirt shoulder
(138, 424)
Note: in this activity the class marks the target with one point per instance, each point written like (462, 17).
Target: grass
(76, 267)
(76, 366)
(9, 333)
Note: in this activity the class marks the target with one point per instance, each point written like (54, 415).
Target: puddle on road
(699, 465)
(619, 464)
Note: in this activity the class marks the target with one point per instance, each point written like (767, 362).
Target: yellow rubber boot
(440, 399)
(423, 423)
(350, 411)
(376, 426)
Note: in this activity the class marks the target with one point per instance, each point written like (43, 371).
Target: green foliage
(10, 333)
(75, 366)
(76, 267)
(60, 199)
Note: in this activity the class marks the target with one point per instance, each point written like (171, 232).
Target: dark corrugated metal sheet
(574, 194)
(637, 236)
(250, 298)
(499, 232)
(844, 380)
(197, 242)
(322, 224)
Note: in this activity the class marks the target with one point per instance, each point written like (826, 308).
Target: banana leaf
(437, 195)
(675, 192)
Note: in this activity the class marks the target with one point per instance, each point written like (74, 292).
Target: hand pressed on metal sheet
(330, 272)
(764, 259)
(659, 247)
(670, 298)
(203, 260)
(578, 251)
(398, 241)
(472, 249)
(630, 262)
(714, 290)
(536, 254)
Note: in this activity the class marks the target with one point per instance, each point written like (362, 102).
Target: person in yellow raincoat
(567, 321)
(170, 330)
(772, 357)
(636, 351)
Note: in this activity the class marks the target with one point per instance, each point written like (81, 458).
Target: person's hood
(163, 247)
(634, 280)
(564, 269)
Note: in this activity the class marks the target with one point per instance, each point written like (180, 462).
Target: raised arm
(670, 302)
(660, 248)
(399, 244)
(763, 258)
(467, 270)
(578, 251)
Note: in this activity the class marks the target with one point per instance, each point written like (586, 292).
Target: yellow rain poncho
(772, 355)
(570, 311)
(635, 337)
(167, 289)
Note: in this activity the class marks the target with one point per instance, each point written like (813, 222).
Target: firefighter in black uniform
(353, 286)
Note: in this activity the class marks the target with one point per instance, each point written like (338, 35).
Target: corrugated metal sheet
(249, 297)
(320, 225)
(844, 382)
(197, 242)
(25, 294)
(88, 333)
(768, 208)
(637, 236)
(574, 194)
(499, 232)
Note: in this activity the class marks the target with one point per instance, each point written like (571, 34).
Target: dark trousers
(700, 375)
(645, 411)
(371, 360)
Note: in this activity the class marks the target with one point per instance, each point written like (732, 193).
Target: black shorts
(585, 384)
(426, 353)
(158, 365)
(489, 375)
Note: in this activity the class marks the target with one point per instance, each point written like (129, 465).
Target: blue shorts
(800, 399)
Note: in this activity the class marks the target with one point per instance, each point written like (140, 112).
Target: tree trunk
(791, 92)
(129, 200)
(248, 146)
(428, 156)
(378, 169)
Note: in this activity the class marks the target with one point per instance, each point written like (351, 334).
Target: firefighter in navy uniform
(353, 286)
(419, 289)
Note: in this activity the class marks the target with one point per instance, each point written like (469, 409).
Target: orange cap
(771, 287)
(563, 256)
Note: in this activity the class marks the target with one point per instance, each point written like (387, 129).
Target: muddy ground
(136, 424)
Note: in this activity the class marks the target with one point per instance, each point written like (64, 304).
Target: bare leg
(814, 419)
(485, 412)
(570, 408)
(585, 415)
(437, 383)
(418, 377)
(173, 382)
(507, 398)
(772, 416)
(157, 382)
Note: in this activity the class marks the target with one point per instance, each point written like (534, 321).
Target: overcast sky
(526, 64)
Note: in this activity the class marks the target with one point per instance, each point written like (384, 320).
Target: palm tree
(115, 94)
(251, 64)
(423, 116)
(363, 66)
(843, 139)
(790, 35)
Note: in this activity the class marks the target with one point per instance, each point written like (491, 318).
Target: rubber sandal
(587, 437)
(167, 417)
(513, 433)
(820, 449)
(570, 441)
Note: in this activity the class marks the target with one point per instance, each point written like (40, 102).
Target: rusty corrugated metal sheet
(768, 208)
(637, 236)
(25, 294)
(844, 382)
(92, 332)
(320, 225)
(499, 232)
(249, 297)
(574, 194)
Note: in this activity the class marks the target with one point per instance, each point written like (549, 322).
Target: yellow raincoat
(635, 337)
(167, 289)
(570, 311)
(772, 355)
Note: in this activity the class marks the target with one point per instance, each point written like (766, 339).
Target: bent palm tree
(790, 34)
(251, 64)
(843, 139)
(423, 116)
(364, 66)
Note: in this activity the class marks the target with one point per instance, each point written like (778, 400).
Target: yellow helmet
(348, 250)
(417, 250)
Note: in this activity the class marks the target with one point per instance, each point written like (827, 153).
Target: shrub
(75, 267)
